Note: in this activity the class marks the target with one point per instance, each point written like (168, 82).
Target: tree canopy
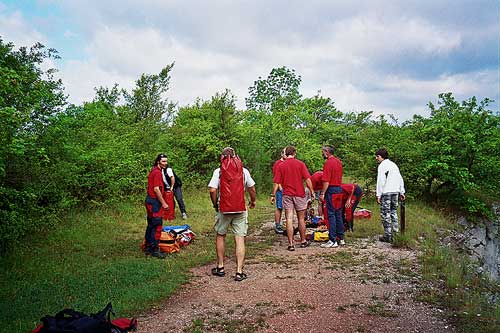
(54, 156)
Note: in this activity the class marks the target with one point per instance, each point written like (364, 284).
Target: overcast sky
(390, 57)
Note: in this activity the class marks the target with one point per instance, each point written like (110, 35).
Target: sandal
(291, 248)
(305, 244)
(218, 271)
(240, 277)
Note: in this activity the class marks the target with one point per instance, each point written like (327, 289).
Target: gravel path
(365, 286)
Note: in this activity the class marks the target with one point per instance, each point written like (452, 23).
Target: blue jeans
(334, 214)
(279, 199)
(152, 235)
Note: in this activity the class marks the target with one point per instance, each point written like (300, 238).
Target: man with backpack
(175, 184)
(155, 206)
(390, 187)
(227, 192)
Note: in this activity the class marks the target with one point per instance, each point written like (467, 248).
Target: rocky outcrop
(480, 240)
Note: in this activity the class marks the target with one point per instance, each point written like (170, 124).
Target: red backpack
(231, 188)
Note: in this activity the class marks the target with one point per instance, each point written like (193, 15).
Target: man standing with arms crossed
(332, 193)
(290, 177)
(390, 186)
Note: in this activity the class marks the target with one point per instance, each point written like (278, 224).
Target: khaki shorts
(238, 223)
(292, 202)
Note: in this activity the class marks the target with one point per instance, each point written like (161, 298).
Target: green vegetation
(69, 238)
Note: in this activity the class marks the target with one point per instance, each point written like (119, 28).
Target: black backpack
(71, 321)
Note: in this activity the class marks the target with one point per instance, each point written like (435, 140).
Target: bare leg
(277, 215)
(289, 225)
(220, 248)
(240, 252)
(302, 225)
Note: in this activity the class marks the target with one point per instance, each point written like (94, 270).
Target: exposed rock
(481, 242)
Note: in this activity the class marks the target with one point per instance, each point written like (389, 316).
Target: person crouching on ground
(227, 192)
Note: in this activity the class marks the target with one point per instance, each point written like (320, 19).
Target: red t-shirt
(347, 189)
(332, 171)
(155, 179)
(316, 180)
(276, 166)
(291, 175)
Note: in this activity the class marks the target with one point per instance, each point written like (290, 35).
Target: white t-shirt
(389, 178)
(247, 179)
(170, 173)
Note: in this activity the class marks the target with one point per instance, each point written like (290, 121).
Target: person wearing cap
(238, 222)
(155, 206)
(390, 187)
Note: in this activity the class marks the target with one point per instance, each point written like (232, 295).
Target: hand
(321, 197)
(272, 199)
(378, 200)
(165, 206)
(403, 197)
(251, 204)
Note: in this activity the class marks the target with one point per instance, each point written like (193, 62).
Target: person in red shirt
(155, 206)
(332, 194)
(351, 195)
(317, 183)
(278, 228)
(290, 176)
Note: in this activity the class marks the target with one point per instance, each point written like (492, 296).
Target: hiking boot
(184, 216)
(278, 228)
(341, 242)
(158, 254)
(385, 239)
(329, 244)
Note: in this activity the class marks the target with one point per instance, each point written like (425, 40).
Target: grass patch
(379, 309)
(343, 259)
(95, 258)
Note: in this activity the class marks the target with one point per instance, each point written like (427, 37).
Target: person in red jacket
(290, 177)
(155, 206)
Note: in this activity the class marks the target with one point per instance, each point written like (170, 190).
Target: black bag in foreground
(71, 321)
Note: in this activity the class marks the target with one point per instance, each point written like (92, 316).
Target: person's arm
(253, 196)
(380, 181)
(402, 188)
(213, 197)
(310, 187)
(276, 186)
(160, 197)
(348, 202)
(323, 191)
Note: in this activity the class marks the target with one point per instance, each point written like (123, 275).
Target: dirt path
(366, 286)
